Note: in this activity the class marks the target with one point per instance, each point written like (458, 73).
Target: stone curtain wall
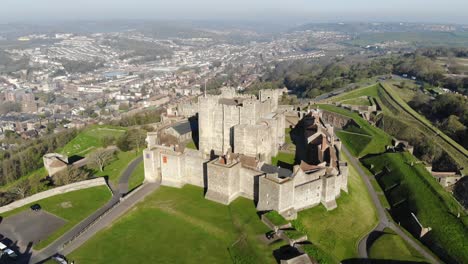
(59, 190)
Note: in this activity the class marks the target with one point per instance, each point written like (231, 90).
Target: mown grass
(357, 101)
(73, 207)
(364, 91)
(275, 218)
(115, 168)
(417, 121)
(181, 226)
(90, 138)
(137, 177)
(410, 188)
(357, 142)
(337, 233)
(283, 158)
(390, 246)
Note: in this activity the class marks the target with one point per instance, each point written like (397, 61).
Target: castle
(237, 137)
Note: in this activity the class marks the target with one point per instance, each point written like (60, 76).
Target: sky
(448, 11)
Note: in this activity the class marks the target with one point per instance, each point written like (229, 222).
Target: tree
(22, 189)
(101, 157)
(136, 138)
(70, 175)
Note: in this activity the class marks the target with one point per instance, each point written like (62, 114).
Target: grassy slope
(137, 177)
(338, 232)
(416, 191)
(379, 138)
(457, 152)
(357, 101)
(117, 166)
(392, 247)
(392, 104)
(364, 91)
(180, 226)
(83, 203)
(89, 139)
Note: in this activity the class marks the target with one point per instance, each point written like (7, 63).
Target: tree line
(28, 157)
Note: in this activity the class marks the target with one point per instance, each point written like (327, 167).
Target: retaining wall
(59, 190)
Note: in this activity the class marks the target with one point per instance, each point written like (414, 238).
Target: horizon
(295, 11)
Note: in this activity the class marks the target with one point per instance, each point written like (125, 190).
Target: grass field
(181, 226)
(89, 139)
(411, 189)
(405, 113)
(137, 177)
(361, 139)
(338, 232)
(351, 95)
(393, 103)
(283, 158)
(390, 246)
(118, 165)
(459, 39)
(73, 207)
(357, 101)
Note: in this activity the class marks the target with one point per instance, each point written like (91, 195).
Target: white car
(60, 259)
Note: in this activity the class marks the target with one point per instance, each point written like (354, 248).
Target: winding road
(384, 220)
(119, 204)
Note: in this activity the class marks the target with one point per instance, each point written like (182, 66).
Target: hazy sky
(453, 11)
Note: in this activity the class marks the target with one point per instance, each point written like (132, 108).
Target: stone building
(238, 136)
(54, 163)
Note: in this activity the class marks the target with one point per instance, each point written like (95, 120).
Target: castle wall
(308, 194)
(172, 169)
(249, 183)
(194, 168)
(223, 182)
(274, 195)
(151, 164)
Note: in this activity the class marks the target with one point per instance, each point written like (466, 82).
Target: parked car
(35, 207)
(60, 259)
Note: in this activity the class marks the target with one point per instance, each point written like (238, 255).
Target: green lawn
(89, 139)
(357, 101)
(411, 189)
(390, 246)
(364, 91)
(418, 122)
(137, 177)
(191, 145)
(73, 207)
(285, 157)
(181, 226)
(339, 231)
(287, 136)
(357, 142)
(118, 165)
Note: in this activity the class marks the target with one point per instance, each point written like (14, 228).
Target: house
(181, 131)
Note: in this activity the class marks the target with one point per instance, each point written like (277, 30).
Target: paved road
(384, 220)
(118, 209)
(123, 181)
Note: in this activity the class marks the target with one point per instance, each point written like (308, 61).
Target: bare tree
(70, 175)
(22, 189)
(101, 157)
(136, 138)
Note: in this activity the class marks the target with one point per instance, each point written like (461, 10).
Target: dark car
(270, 235)
(35, 207)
